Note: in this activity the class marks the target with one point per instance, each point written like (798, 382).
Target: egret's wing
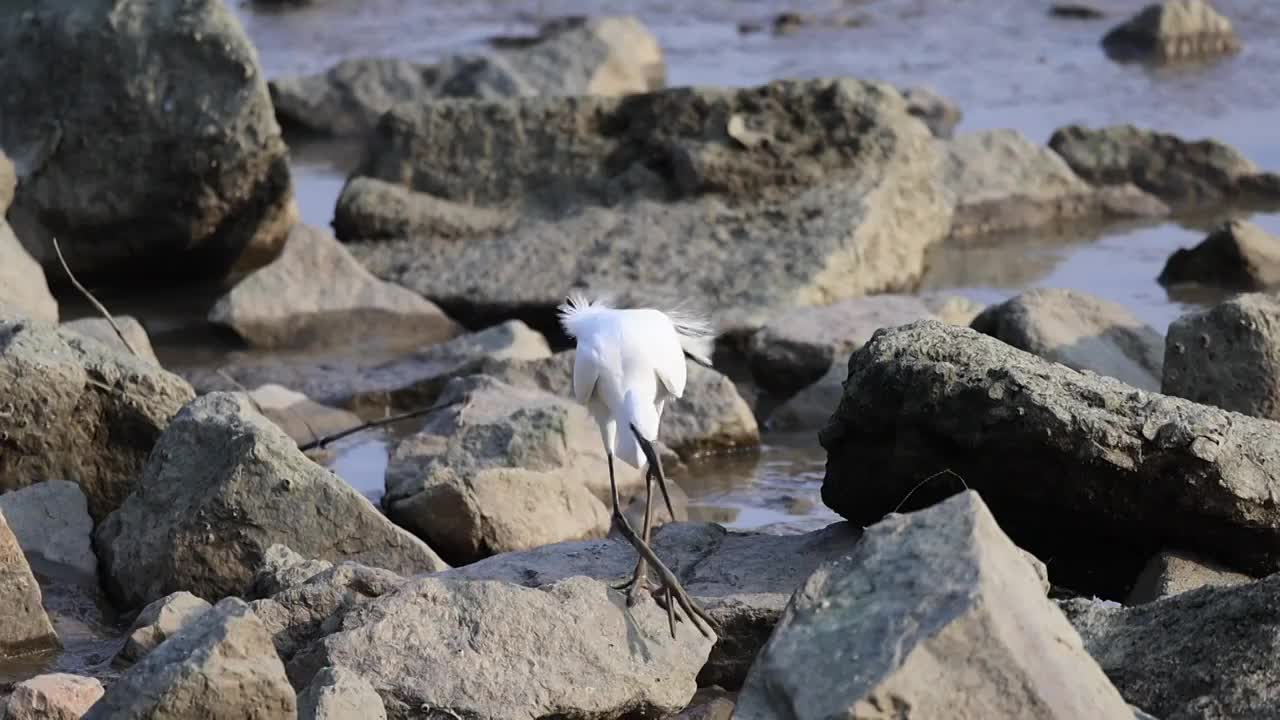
(586, 370)
(667, 358)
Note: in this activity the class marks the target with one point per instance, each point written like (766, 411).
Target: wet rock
(1076, 11)
(159, 621)
(297, 415)
(608, 56)
(24, 626)
(223, 485)
(1228, 356)
(684, 193)
(939, 114)
(1206, 653)
(316, 295)
(1080, 468)
(1172, 30)
(898, 622)
(340, 694)
(22, 282)
(1237, 255)
(1080, 331)
(1182, 173)
(221, 665)
(1173, 571)
(173, 164)
(51, 521)
(281, 569)
(56, 696)
(499, 650)
(63, 395)
(99, 329)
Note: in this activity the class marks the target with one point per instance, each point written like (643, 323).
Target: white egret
(629, 363)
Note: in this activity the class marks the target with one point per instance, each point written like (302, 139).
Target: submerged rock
(24, 626)
(1172, 572)
(1237, 255)
(1228, 356)
(1172, 30)
(51, 521)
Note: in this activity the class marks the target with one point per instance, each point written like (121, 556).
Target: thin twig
(322, 442)
(945, 471)
(102, 310)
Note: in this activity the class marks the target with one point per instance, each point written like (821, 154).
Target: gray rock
(608, 56)
(1172, 30)
(316, 295)
(298, 415)
(148, 142)
(223, 485)
(1080, 331)
(51, 521)
(24, 626)
(221, 666)
(1237, 255)
(498, 650)
(812, 407)
(688, 193)
(939, 114)
(281, 569)
(64, 394)
(99, 329)
(1082, 469)
(55, 696)
(22, 283)
(935, 611)
(1228, 356)
(340, 694)
(1172, 571)
(159, 621)
(713, 703)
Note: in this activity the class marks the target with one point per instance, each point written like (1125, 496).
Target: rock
(684, 194)
(939, 114)
(22, 283)
(298, 415)
(1184, 174)
(1206, 653)
(24, 626)
(899, 622)
(1227, 356)
(64, 395)
(1172, 30)
(159, 621)
(57, 696)
(281, 569)
(1076, 11)
(340, 694)
(1003, 182)
(1080, 331)
(172, 164)
(743, 580)
(1237, 255)
(1079, 468)
(608, 56)
(498, 650)
(812, 407)
(1172, 572)
(51, 521)
(316, 295)
(223, 485)
(220, 666)
(99, 329)
(713, 703)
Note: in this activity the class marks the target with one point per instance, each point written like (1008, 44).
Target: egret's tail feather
(697, 335)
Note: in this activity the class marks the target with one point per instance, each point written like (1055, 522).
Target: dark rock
(1076, 11)
(1237, 255)
(1228, 356)
(1172, 30)
(1173, 571)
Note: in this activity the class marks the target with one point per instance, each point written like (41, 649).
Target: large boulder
(1228, 356)
(1080, 468)
(101, 330)
(73, 409)
(933, 614)
(147, 143)
(51, 521)
(22, 282)
(24, 626)
(316, 295)
(1080, 331)
(688, 193)
(1237, 255)
(223, 485)
(584, 56)
(1172, 30)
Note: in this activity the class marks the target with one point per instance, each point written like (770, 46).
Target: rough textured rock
(1080, 331)
(75, 410)
(223, 485)
(1228, 356)
(148, 142)
(24, 626)
(51, 521)
(1173, 571)
(743, 580)
(282, 568)
(159, 621)
(99, 329)
(1172, 30)
(297, 415)
(712, 703)
(1206, 653)
(56, 696)
(739, 199)
(1003, 182)
(22, 283)
(498, 650)
(316, 295)
(938, 612)
(221, 666)
(340, 694)
(1238, 255)
(584, 56)
(1079, 468)
(1182, 173)
(939, 114)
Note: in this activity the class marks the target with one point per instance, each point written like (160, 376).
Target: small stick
(102, 310)
(322, 442)
(944, 471)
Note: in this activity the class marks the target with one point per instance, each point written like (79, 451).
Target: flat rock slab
(51, 521)
(24, 626)
(1080, 468)
(1228, 356)
(1237, 255)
